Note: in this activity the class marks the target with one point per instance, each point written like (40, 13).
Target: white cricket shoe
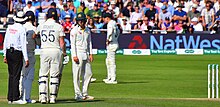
(111, 82)
(104, 80)
(93, 80)
(9, 102)
(80, 98)
(52, 101)
(89, 97)
(43, 101)
(19, 102)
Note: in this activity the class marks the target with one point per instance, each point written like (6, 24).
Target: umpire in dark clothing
(14, 51)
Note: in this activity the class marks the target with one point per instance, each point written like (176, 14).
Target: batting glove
(66, 60)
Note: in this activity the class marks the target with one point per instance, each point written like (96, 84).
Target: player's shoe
(93, 80)
(52, 101)
(9, 102)
(89, 97)
(104, 80)
(80, 98)
(31, 101)
(19, 102)
(111, 82)
(43, 101)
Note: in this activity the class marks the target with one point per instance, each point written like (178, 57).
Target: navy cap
(51, 13)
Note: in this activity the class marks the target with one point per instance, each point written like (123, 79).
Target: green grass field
(144, 81)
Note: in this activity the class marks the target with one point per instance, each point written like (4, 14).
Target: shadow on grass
(125, 82)
(74, 101)
(133, 82)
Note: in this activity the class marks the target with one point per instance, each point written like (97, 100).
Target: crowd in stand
(141, 15)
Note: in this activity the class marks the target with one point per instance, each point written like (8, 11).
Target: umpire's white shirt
(80, 40)
(16, 37)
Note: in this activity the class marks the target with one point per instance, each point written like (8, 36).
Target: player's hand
(5, 60)
(91, 58)
(75, 59)
(107, 42)
(26, 64)
(65, 60)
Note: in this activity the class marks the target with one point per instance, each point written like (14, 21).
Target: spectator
(135, 16)
(73, 8)
(167, 24)
(99, 3)
(114, 8)
(217, 5)
(208, 16)
(152, 24)
(200, 5)
(65, 12)
(193, 13)
(137, 26)
(82, 8)
(67, 24)
(29, 7)
(94, 11)
(45, 5)
(126, 2)
(18, 6)
(163, 15)
(144, 26)
(89, 4)
(170, 8)
(126, 27)
(53, 5)
(69, 3)
(158, 3)
(197, 26)
(91, 25)
(105, 9)
(126, 11)
(98, 23)
(3, 11)
(76, 3)
(179, 27)
(60, 5)
(179, 15)
(145, 6)
(152, 12)
(36, 4)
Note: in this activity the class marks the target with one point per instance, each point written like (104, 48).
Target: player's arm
(90, 48)
(109, 33)
(62, 42)
(63, 45)
(73, 45)
(4, 45)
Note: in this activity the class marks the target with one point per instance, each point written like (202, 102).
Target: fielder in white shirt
(81, 50)
(111, 45)
(52, 49)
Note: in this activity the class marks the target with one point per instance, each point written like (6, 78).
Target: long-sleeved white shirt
(80, 41)
(16, 37)
(112, 32)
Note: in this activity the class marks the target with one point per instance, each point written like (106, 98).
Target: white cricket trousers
(27, 77)
(50, 62)
(110, 61)
(82, 69)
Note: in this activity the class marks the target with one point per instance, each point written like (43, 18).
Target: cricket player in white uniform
(52, 41)
(81, 50)
(27, 74)
(111, 46)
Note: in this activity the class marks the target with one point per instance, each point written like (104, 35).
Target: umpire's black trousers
(15, 63)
